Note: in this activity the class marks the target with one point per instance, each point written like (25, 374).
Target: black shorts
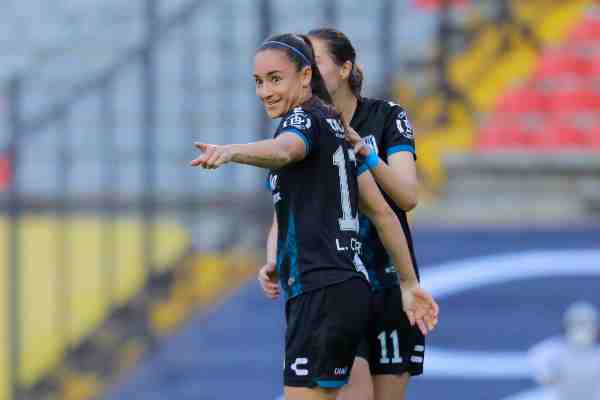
(392, 346)
(324, 329)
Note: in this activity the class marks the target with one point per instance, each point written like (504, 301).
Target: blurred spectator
(569, 366)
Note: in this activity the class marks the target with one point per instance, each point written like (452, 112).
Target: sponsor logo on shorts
(340, 371)
(297, 364)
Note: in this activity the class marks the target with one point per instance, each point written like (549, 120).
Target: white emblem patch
(299, 120)
(404, 126)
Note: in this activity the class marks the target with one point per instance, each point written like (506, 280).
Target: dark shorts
(324, 329)
(392, 346)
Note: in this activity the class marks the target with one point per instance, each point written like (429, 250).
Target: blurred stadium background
(128, 275)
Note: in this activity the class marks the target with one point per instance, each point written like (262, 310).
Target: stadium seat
(559, 107)
(523, 100)
(588, 31)
(575, 99)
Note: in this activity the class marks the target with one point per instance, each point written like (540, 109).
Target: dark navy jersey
(316, 202)
(387, 130)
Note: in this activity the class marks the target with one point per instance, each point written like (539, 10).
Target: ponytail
(355, 80)
(317, 83)
(341, 50)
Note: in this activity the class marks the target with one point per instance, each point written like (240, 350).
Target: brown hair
(341, 50)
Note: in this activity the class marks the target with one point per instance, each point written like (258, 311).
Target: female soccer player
(392, 349)
(313, 179)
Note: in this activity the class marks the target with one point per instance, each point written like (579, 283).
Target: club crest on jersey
(371, 142)
(404, 126)
(299, 120)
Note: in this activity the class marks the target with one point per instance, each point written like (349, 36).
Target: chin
(274, 113)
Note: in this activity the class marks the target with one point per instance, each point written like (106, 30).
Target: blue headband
(295, 50)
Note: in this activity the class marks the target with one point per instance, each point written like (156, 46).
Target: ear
(306, 76)
(346, 70)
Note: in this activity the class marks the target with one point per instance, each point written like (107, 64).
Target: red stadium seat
(559, 108)
(575, 99)
(435, 4)
(5, 172)
(571, 132)
(558, 63)
(587, 31)
(523, 100)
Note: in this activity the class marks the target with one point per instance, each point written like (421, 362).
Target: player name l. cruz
(354, 245)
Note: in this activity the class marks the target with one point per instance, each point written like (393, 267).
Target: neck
(345, 102)
(304, 97)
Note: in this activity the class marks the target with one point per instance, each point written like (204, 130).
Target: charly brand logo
(457, 277)
(297, 364)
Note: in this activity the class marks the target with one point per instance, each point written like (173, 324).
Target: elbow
(411, 203)
(409, 199)
(285, 158)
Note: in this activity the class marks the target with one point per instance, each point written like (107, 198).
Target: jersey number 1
(347, 222)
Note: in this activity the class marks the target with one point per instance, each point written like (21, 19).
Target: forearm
(401, 188)
(393, 239)
(272, 244)
(263, 154)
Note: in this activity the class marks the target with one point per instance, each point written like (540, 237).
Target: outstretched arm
(285, 149)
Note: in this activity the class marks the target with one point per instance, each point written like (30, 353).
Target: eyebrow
(268, 73)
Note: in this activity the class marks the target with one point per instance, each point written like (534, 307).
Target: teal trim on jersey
(362, 168)
(399, 148)
(296, 287)
(364, 233)
(301, 135)
(331, 384)
(288, 249)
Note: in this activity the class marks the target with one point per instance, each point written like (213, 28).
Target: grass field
(80, 284)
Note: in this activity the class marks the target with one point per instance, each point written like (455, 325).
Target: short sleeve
(398, 133)
(302, 124)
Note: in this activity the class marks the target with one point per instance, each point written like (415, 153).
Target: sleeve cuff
(399, 148)
(301, 135)
(362, 168)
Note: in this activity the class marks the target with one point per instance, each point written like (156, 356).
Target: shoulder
(384, 108)
(299, 118)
